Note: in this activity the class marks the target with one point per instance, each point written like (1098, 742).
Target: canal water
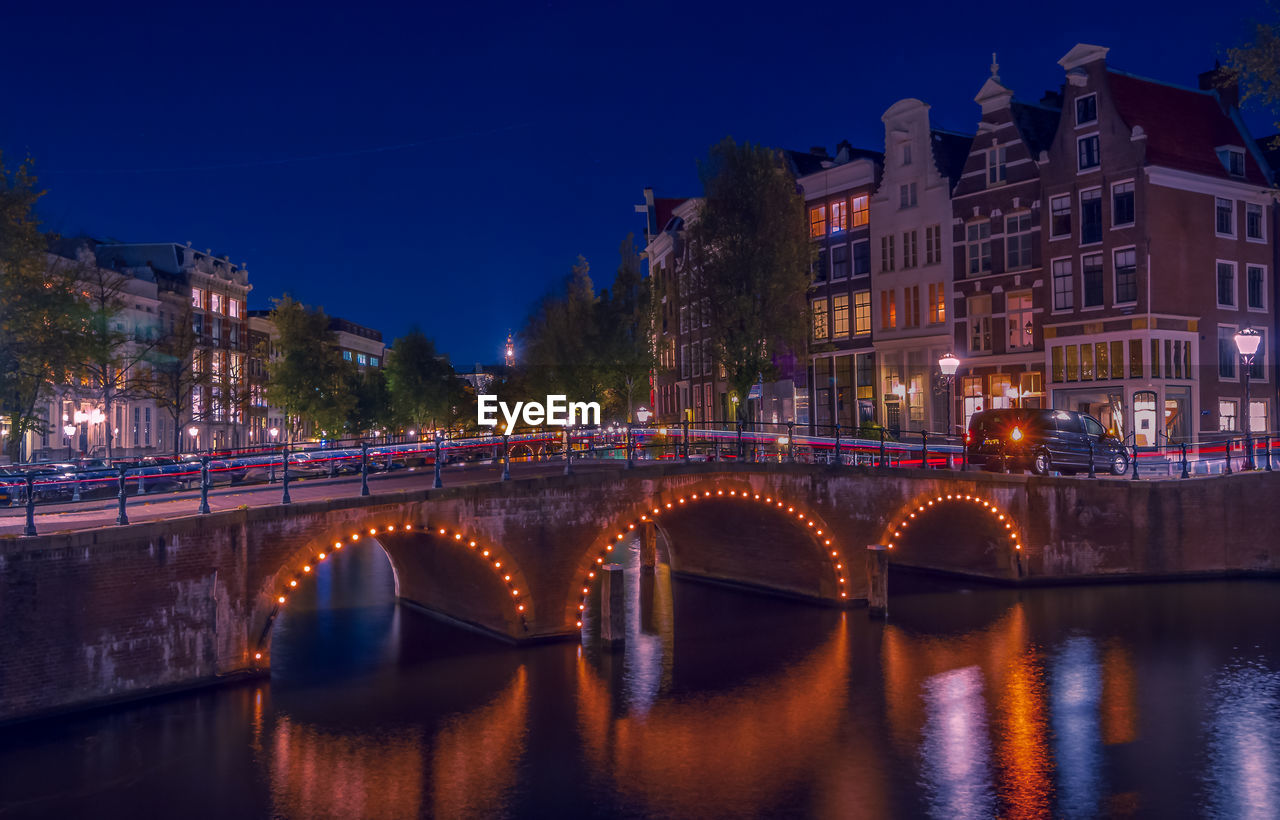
(1159, 700)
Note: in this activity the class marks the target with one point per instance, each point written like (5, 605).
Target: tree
(562, 342)
(173, 374)
(425, 391)
(114, 348)
(1255, 66)
(371, 408)
(627, 330)
(41, 318)
(749, 258)
(306, 376)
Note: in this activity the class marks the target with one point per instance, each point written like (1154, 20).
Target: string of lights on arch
(831, 552)
(504, 568)
(924, 506)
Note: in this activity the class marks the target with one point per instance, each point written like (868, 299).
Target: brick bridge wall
(121, 611)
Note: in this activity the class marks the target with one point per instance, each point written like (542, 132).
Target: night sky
(446, 166)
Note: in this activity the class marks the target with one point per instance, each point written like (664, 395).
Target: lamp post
(69, 431)
(948, 364)
(1247, 341)
(194, 432)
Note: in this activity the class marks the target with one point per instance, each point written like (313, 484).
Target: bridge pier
(648, 547)
(613, 614)
(878, 580)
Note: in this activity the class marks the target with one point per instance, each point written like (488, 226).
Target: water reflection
(955, 755)
(1075, 696)
(1242, 777)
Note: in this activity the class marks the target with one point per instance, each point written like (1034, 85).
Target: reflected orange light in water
(1119, 697)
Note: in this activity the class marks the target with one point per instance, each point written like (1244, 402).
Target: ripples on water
(1153, 701)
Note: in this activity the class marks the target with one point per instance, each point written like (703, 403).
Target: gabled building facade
(1159, 249)
(912, 266)
(841, 373)
(1000, 285)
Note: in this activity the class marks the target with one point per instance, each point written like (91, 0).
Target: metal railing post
(506, 457)
(75, 483)
(741, 452)
(364, 468)
(204, 485)
(924, 449)
(882, 464)
(791, 442)
(284, 477)
(839, 458)
(568, 452)
(31, 506)
(1266, 445)
(630, 462)
(685, 425)
(1093, 473)
(1135, 461)
(1228, 453)
(439, 481)
(1185, 472)
(122, 517)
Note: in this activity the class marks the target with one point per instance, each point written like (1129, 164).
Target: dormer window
(1232, 158)
(1086, 109)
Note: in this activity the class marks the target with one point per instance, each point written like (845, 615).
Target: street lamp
(1247, 341)
(193, 431)
(275, 431)
(68, 430)
(948, 364)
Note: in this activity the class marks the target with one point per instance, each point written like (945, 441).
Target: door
(1144, 418)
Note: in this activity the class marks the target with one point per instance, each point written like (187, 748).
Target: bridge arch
(964, 532)
(401, 539)
(668, 503)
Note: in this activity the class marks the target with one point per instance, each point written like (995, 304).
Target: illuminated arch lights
(491, 556)
(832, 551)
(924, 505)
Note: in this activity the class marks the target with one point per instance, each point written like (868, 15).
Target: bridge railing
(92, 481)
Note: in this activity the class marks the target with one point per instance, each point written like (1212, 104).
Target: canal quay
(695, 673)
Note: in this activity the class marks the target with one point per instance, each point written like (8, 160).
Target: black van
(1043, 440)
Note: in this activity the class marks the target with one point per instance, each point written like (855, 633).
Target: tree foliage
(425, 391)
(171, 375)
(748, 259)
(42, 318)
(1255, 65)
(307, 375)
(590, 346)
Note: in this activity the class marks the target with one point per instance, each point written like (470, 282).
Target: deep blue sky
(533, 126)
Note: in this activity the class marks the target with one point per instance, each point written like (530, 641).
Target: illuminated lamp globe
(949, 364)
(1247, 341)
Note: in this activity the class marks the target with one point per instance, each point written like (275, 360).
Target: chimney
(819, 151)
(1227, 85)
(1051, 99)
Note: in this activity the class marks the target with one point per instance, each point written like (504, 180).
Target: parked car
(1043, 440)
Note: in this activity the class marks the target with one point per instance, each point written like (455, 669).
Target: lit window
(346, 355)
(861, 210)
(233, 308)
(1227, 415)
(1018, 321)
(818, 222)
(197, 298)
(215, 302)
(937, 304)
(839, 216)
(888, 310)
(362, 359)
(862, 312)
(840, 314)
(820, 330)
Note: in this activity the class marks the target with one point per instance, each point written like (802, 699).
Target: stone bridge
(111, 613)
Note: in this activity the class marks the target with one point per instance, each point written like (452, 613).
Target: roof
(1037, 125)
(802, 163)
(950, 152)
(1184, 126)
